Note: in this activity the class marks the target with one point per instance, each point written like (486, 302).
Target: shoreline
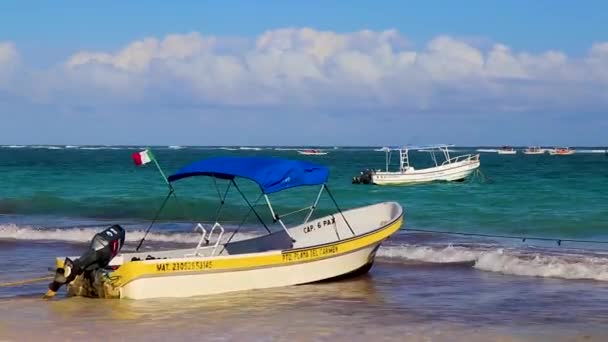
(367, 307)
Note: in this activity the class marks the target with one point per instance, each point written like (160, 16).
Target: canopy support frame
(277, 218)
(339, 210)
(314, 205)
(251, 207)
(240, 225)
(162, 206)
(222, 198)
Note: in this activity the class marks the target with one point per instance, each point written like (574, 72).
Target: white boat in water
(534, 150)
(311, 152)
(383, 149)
(451, 168)
(561, 151)
(334, 246)
(506, 150)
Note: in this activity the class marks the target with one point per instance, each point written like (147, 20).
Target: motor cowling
(103, 248)
(364, 177)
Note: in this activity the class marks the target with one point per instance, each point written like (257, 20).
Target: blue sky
(531, 25)
(263, 72)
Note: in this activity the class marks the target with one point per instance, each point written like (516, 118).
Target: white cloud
(137, 56)
(303, 67)
(598, 61)
(8, 53)
(449, 59)
(9, 60)
(501, 63)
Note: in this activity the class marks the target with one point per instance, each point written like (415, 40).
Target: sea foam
(567, 265)
(76, 234)
(557, 263)
(591, 151)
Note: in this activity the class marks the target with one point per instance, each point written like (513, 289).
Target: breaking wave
(591, 151)
(48, 147)
(93, 148)
(565, 265)
(71, 147)
(15, 232)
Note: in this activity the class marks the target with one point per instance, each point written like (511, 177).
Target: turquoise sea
(54, 198)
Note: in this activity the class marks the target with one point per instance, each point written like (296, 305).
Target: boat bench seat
(275, 241)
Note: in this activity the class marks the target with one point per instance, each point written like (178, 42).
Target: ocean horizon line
(67, 146)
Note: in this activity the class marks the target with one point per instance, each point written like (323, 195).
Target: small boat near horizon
(335, 246)
(312, 152)
(382, 149)
(451, 169)
(534, 150)
(562, 151)
(506, 150)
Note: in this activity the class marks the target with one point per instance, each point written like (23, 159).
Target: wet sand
(397, 301)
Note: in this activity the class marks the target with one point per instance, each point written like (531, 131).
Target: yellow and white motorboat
(334, 246)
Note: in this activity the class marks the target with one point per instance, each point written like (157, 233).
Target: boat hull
(535, 150)
(323, 249)
(208, 283)
(506, 152)
(312, 153)
(561, 153)
(450, 172)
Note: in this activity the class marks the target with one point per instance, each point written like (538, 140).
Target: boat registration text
(184, 266)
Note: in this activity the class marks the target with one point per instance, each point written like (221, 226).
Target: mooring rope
(478, 175)
(26, 281)
(498, 236)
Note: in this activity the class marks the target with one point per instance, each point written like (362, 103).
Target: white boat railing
(207, 238)
(464, 157)
(404, 160)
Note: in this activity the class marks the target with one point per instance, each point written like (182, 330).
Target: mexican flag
(143, 157)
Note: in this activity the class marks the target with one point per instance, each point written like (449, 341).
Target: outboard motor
(365, 177)
(103, 248)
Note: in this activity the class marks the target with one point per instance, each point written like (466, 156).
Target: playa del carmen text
(309, 253)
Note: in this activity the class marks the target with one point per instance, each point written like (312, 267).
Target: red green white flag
(143, 157)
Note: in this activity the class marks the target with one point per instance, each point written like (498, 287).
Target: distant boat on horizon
(534, 150)
(506, 150)
(311, 152)
(562, 151)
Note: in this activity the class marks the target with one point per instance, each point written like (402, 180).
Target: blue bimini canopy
(271, 174)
